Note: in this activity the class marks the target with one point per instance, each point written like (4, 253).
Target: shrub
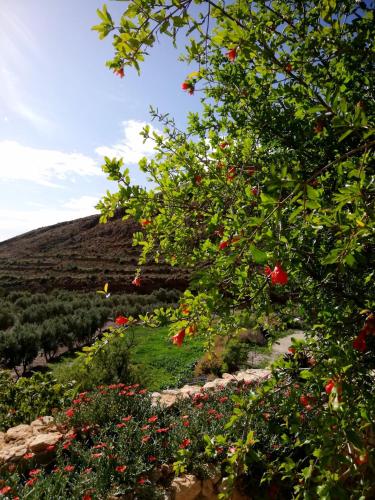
(121, 445)
(29, 398)
(111, 365)
(7, 320)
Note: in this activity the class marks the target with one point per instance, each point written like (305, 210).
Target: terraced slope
(80, 255)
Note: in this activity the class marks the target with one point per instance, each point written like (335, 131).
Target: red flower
(121, 468)
(162, 430)
(67, 445)
(278, 275)
(87, 470)
(223, 244)
(99, 446)
(51, 447)
(232, 54)
(186, 423)
(185, 310)
(28, 456)
(145, 439)
(179, 338)
(223, 145)
(141, 480)
(121, 320)
(69, 468)
(55, 470)
(145, 428)
(5, 490)
(231, 174)
(136, 282)
(31, 482)
(189, 86)
(145, 222)
(152, 419)
(304, 400)
(332, 384)
(198, 179)
(87, 497)
(152, 458)
(361, 459)
(288, 68)
(185, 443)
(70, 412)
(127, 419)
(96, 455)
(223, 399)
(359, 343)
(255, 191)
(121, 425)
(329, 386)
(119, 72)
(35, 472)
(251, 171)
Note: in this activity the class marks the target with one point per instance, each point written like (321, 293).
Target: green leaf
(345, 134)
(259, 256)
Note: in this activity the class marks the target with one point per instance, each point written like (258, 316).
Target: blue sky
(61, 110)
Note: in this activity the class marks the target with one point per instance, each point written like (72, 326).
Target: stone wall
(39, 439)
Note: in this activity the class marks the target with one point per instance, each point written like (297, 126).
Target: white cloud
(50, 168)
(43, 166)
(15, 222)
(84, 204)
(131, 148)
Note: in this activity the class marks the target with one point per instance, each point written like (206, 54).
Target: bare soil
(81, 255)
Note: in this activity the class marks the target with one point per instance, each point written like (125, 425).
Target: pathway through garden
(279, 348)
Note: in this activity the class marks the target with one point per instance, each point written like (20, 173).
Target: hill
(81, 254)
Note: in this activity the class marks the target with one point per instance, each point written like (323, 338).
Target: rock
(237, 495)
(19, 433)
(259, 373)
(213, 385)
(186, 487)
(12, 453)
(228, 376)
(18, 452)
(188, 390)
(222, 383)
(42, 422)
(41, 441)
(208, 490)
(168, 400)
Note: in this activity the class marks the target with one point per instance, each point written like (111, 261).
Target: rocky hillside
(80, 255)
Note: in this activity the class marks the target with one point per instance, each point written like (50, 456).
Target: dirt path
(279, 348)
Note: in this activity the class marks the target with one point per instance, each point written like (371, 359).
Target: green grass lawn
(157, 363)
(162, 363)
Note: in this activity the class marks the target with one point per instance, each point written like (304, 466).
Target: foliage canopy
(276, 170)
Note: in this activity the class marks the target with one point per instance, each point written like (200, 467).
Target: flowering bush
(119, 443)
(287, 94)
